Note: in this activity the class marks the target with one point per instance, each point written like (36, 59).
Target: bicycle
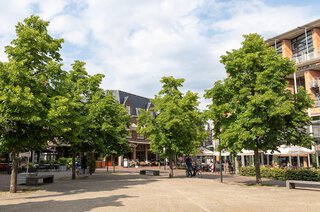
(189, 172)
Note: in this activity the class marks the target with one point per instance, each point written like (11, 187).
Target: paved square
(126, 190)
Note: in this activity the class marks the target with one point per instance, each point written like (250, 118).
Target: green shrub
(247, 171)
(283, 174)
(52, 162)
(273, 173)
(69, 163)
(62, 161)
(303, 174)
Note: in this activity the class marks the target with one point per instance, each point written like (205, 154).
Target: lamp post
(220, 157)
(221, 177)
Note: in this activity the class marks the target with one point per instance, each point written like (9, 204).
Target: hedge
(283, 174)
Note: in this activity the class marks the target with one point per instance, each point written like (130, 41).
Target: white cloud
(10, 14)
(49, 8)
(70, 28)
(136, 43)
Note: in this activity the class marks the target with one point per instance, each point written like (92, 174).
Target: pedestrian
(213, 168)
(83, 164)
(189, 166)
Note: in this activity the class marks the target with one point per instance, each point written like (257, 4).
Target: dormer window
(138, 111)
(128, 109)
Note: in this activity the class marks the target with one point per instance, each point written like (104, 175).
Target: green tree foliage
(40, 102)
(174, 124)
(27, 82)
(252, 109)
(113, 121)
(88, 118)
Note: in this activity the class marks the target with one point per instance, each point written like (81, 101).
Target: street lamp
(220, 157)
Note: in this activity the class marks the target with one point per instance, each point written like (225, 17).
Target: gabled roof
(135, 101)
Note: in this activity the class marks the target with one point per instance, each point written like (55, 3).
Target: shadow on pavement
(94, 183)
(68, 205)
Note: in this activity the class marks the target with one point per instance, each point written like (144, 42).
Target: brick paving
(126, 190)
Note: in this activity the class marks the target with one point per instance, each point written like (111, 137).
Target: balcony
(306, 58)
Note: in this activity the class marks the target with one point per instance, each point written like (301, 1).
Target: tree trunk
(38, 157)
(257, 165)
(175, 162)
(171, 167)
(73, 166)
(236, 164)
(14, 171)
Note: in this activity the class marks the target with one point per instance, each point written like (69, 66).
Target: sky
(136, 42)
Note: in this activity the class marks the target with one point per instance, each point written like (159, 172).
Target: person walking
(83, 164)
(189, 167)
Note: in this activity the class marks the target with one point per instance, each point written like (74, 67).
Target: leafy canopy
(27, 82)
(174, 124)
(252, 108)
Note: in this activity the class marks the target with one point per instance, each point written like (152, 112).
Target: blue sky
(136, 42)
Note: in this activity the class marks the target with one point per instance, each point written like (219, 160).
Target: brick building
(302, 45)
(140, 145)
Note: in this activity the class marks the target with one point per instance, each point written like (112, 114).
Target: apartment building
(302, 45)
(140, 145)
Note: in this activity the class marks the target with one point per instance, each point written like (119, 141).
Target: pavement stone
(126, 190)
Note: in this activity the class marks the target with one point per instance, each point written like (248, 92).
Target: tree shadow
(265, 182)
(95, 183)
(67, 205)
(100, 181)
(235, 179)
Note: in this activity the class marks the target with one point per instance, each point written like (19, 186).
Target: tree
(113, 121)
(110, 124)
(27, 82)
(174, 124)
(252, 108)
(69, 112)
(88, 118)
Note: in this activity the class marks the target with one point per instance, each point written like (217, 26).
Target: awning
(204, 152)
(292, 151)
(223, 153)
(246, 152)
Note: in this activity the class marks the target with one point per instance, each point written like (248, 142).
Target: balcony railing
(306, 56)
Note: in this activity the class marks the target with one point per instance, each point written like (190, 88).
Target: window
(138, 111)
(299, 46)
(301, 82)
(278, 47)
(128, 109)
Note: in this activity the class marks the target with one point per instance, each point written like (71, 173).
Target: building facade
(302, 45)
(140, 145)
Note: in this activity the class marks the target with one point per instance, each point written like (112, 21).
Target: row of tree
(251, 108)
(39, 101)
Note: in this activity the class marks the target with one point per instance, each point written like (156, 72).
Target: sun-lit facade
(302, 45)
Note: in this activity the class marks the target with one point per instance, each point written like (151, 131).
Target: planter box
(22, 177)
